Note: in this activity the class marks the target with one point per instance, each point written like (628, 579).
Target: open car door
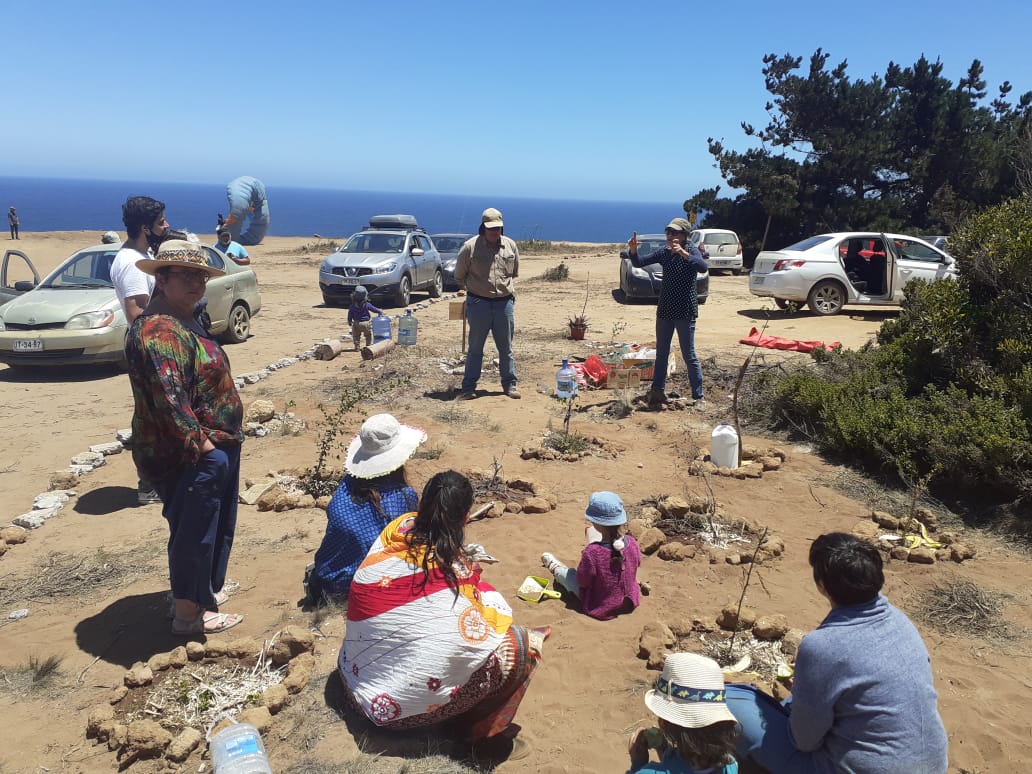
(15, 269)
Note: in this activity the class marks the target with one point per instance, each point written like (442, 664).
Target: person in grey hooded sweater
(863, 699)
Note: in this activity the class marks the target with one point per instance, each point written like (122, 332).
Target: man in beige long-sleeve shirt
(487, 266)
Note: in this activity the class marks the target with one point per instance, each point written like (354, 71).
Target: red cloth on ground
(757, 339)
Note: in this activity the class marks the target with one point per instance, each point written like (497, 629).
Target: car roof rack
(396, 222)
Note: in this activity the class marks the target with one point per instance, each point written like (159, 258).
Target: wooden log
(329, 349)
(379, 349)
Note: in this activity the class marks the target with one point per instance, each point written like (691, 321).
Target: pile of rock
(262, 419)
(143, 738)
(915, 538)
(755, 462)
(647, 528)
(596, 447)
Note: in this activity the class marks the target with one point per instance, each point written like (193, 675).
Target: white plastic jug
(238, 749)
(407, 327)
(724, 447)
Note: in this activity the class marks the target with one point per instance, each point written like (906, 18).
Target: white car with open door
(830, 271)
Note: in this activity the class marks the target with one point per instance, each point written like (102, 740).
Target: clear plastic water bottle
(407, 327)
(381, 328)
(238, 749)
(565, 381)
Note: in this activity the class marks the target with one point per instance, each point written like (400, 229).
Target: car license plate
(28, 345)
(723, 263)
(756, 280)
(349, 281)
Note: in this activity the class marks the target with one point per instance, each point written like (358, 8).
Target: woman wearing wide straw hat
(373, 492)
(187, 433)
(696, 731)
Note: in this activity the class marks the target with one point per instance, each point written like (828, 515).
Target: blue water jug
(565, 381)
(381, 328)
(407, 329)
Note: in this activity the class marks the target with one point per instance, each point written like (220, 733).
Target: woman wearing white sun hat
(696, 733)
(373, 492)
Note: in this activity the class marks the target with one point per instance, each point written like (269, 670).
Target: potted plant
(579, 324)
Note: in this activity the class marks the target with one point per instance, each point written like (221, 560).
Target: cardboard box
(623, 378)
(646, 368)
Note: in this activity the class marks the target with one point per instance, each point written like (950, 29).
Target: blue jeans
(200, 505)
(763, 733)
(494, 316)
(566, 578)
(686, 336)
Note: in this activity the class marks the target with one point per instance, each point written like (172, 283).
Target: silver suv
(390, 259)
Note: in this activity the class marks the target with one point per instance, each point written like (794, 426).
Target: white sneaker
(550, 563)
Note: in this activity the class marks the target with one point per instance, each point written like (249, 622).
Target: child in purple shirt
(606, 580)
(360, 316)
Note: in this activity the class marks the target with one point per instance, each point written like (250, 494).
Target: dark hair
(702, 748)
(140, 211)
(440, 524)
(849, 568)
(366, 491)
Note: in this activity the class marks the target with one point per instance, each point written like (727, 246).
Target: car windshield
(449, 244)
(806, 244)
(83, 270)
(647, 247)
(374, 243)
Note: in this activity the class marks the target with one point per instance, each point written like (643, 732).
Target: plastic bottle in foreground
(724, 448)
(565, 381)
(238, 749)
(407, 327)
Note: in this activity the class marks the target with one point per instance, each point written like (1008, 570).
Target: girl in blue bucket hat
(606, 579)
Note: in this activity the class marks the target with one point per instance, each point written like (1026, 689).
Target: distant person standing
(146, 227)
(678, 307)
(234, 250)
(486, 266)
(12, 218)
(360, 316)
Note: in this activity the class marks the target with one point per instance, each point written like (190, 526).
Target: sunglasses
(191, 276)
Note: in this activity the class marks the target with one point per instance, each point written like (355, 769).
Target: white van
(721, 248)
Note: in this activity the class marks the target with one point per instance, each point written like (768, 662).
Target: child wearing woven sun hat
(696, 733)
(606, 579)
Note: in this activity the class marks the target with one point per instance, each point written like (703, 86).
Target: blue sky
(578, 100)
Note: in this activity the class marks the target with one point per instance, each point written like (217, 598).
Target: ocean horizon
(53, 204)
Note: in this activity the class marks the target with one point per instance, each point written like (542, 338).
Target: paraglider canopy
(248, 205)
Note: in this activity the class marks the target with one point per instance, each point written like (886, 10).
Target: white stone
(107, 449)
(239, 382)
(94, 459)
(251, 378)
(124, 436)
(16, 614)
(32, 520)
(80, 470)
(250, 495)
(49, 500)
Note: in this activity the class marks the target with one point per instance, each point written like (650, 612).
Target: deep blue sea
(48, 204)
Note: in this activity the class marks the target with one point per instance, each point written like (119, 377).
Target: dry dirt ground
(587, 694)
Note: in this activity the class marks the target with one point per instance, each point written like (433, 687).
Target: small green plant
(558, 273)
(428, 453)
(183, 690)
(618, 327)
(566, 443)
(43, 670)
(204, 699)
(320, 246)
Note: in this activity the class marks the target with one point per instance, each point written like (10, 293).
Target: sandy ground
(587, 694)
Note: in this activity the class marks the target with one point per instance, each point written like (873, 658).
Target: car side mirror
(417, 252)
(949, 260)
(24, 286)
(625, 254)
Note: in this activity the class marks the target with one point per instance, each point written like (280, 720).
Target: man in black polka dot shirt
(678, 306)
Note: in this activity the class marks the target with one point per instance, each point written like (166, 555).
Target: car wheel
(827, 298)
(782, 303)
(239, 325)
(437, 287)
(740, 272)
(327, 301)
(401, 298)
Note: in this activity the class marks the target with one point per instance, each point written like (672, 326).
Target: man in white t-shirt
(145, 225)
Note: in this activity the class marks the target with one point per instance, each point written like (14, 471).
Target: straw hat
(690, 692)
(179, 252)
(382, 445)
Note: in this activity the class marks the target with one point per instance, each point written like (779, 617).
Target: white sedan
(830, 271)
